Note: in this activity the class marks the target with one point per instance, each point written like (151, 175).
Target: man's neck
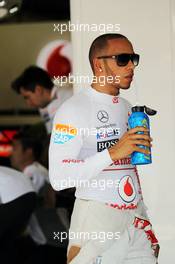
(107, 89)
(47, 98)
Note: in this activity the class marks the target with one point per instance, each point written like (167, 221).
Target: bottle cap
(150, 111)
(138, 109)
(143, 108)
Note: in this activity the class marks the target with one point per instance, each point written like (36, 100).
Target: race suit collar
(102, 97)
(54, 93)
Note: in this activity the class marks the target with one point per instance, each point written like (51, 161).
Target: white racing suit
(84, 128)
(58, 96)
(119, 238)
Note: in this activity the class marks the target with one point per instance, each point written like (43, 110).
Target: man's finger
(142, 142)
(141, 136)
(138, 129)
(142, 150)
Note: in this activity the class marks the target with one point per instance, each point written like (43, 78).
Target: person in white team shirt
(38, 90)
(25, 155)
(90, 149)
(17, 202)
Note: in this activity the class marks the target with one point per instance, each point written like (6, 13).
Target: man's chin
(124, 87)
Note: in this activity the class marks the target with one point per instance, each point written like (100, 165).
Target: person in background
(38, 90)
(17, 203)
(25, 155)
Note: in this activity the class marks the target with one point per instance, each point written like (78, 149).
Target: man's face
(18, 154)
(116, 47)
(34, 99)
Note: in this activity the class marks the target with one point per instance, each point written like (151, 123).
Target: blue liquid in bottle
(139, 118)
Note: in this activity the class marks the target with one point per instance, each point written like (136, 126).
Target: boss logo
(106, 144)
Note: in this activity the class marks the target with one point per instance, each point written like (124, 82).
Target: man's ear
(97, 65)
(29, 152)
(38, 89)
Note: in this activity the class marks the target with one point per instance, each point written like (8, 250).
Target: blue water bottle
(140, 118)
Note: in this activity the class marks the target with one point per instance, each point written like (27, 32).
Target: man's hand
(128, 143)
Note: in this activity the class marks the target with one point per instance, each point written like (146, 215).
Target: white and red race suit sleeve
(66, 144)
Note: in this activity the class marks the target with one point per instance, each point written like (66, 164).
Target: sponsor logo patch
(106, 144)
(103, 116)
(72, 161)
(126, 189)
(108, 133)
(115, 100)
(64, 133)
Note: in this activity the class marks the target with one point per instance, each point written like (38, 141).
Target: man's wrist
(112, 153)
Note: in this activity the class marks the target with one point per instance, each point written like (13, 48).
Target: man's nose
(131, 65)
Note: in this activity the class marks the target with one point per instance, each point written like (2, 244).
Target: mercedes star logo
(103, 116)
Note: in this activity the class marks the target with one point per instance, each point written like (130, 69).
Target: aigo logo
(64, 133)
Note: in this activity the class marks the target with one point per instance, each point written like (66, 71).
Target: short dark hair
(100, 43)
(29, 139)
(31, 77)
